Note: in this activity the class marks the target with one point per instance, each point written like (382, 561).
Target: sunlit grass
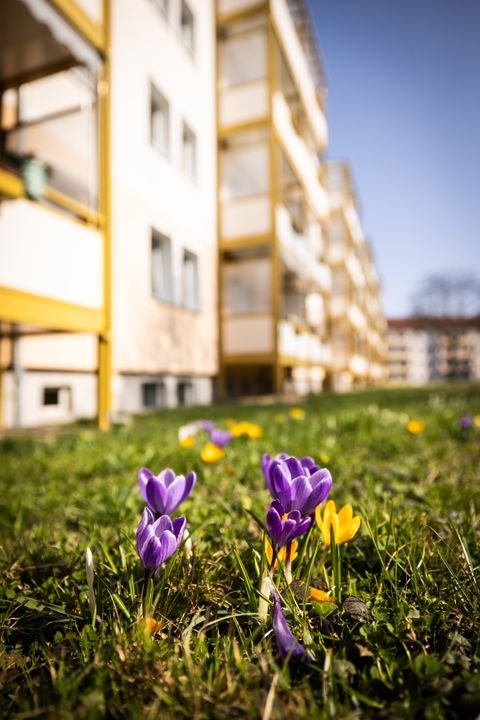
(403, 643)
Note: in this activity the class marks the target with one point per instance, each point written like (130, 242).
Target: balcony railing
(296, 254)
(300, 157)
(303, 346)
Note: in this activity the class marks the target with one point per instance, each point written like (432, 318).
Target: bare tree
(447, 295)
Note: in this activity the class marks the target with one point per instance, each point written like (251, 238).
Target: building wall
(430, 354)
(150, 191)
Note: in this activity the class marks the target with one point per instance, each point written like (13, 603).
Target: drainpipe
(17, 377)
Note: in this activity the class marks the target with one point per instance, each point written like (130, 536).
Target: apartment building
(357, 329)
(107, 211)
(274, 282)
(167, 220)
(433, 349)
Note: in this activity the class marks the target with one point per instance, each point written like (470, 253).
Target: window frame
(157, 95)
(167, 293)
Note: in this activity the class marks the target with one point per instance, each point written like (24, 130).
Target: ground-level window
(185, 394)
(153, 394)
(51, 396)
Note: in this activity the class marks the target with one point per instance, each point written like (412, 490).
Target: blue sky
(403, 81)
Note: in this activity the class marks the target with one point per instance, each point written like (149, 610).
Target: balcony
(302, 346)
(296, 254)
(248, 334)
(298, 61)
(245, 190)
(68, 255)
(303, 161)
(242, 72)
(358, 366)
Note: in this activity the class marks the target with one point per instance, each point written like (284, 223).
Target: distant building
(433, 349)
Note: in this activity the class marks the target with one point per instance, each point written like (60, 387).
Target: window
(189, 152)
(185, 392)
(190, 280)
(159, 121)
(187, 28)
(162, 287)
(153, 394)
(51, 396)
(163, 6)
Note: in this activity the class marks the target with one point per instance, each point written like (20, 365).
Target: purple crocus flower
(220, 438)
(465, 421)
(283, 531)
(288, 646)
(163, 493)
(298, 484)
(158, 539)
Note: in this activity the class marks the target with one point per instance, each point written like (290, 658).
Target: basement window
(51, 396)
(153, 394)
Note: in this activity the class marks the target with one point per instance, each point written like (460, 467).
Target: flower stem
(147, 593)
(288, 563)
(336, 566)
(265, 590)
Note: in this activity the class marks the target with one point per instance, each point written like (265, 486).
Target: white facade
(432, 350)
(164, 245)
(163, 186)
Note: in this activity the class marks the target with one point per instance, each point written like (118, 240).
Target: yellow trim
(94, 32)
(288, 361)
(14, 81)
(252, 314)
(226, 131)
(22, 307)
(235, 15)
(274, 200)
(104, 339)
(245, 241)
(221, 381)
(11, 185)
(90, 217)
(249, 359)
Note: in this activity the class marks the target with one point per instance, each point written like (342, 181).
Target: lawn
(402, 640)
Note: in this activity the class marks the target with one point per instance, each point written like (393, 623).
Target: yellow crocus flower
(415, 426)
(249, 429)
(345, 525)
(321, 596)
(152, 626)
(297, 413)
(476, 421)
(211, 453)
(282, 553)
(187, 442)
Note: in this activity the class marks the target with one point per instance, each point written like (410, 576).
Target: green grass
(409, 649)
